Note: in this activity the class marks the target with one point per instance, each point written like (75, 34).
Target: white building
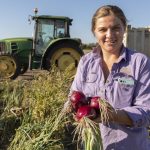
(138, 39)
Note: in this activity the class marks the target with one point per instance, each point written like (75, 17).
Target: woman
(121, 77)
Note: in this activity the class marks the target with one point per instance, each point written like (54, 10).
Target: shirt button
(102, 91)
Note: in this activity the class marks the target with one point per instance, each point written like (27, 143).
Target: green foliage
(29, 110)
(88, 46)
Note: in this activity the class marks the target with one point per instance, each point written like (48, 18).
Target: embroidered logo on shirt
(125, 80)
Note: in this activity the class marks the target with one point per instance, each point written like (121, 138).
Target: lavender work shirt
(127, 87)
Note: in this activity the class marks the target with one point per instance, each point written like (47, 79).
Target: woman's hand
(106, 114)
(116, 116)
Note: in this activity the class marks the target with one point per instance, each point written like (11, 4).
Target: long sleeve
(140, 111)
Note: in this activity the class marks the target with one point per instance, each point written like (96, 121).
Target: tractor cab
(48, 28)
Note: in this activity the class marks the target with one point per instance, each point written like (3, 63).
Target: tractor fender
(56, 42)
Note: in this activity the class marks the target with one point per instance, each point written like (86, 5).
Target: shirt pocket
(89, 84)
(91, 78)
(123, 89)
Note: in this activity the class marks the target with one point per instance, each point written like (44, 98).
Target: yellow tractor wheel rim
(7, 66)
(64, 57)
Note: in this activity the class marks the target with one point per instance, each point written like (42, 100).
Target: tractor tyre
(63, 55)
(9, 67)
(24, 68)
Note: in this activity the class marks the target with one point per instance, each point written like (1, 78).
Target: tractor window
(60, 28)
(47, 30)
(45, 33)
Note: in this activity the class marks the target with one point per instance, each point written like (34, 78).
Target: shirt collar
(123, 54)
(96, 51)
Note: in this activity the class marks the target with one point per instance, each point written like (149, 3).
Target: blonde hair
(106, 11)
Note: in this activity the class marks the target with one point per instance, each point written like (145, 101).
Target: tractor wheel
(24, 68)
(9, 67)
(64, 55)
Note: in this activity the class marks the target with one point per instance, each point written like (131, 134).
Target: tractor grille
(2, 47)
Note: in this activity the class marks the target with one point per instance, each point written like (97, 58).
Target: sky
(14, 15)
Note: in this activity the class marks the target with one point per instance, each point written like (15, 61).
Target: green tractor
(50, 45)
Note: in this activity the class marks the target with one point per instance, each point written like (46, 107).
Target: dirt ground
(29, 75)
